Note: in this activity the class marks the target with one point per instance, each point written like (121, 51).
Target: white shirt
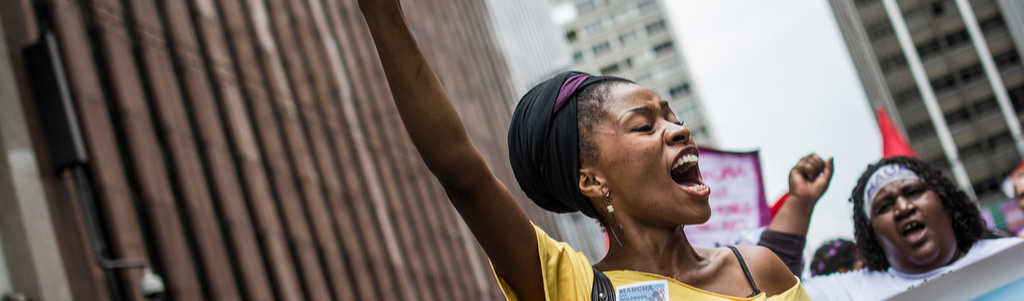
(878, 285)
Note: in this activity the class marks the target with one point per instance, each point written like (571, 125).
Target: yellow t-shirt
(568, 275)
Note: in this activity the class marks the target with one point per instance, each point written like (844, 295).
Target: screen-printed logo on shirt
(656, 290)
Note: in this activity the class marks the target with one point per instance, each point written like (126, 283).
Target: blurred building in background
(957, 92)
(633, 39)
(533, 46)
(242, 150)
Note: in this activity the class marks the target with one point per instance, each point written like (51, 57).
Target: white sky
(776, 76)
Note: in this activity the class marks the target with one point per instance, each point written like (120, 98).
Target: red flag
(778, 204)
(893, 142)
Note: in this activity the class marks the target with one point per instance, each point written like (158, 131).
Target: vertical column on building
(928, 95)
(996, 81)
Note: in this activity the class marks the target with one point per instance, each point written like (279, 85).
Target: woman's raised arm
(489, 209)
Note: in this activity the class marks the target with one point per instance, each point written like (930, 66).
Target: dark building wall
(249, 150)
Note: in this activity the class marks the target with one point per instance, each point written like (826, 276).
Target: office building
(955, 87)
(634, 39)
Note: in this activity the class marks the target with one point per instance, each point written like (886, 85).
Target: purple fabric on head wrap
(569, 89)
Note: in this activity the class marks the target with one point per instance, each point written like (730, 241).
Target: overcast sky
(776, 76)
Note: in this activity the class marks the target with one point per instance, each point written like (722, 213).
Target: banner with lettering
(738, 205)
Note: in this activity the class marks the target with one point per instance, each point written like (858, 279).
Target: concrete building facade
(634, 39)
(241, 150)
(531, 43)
(953, 83)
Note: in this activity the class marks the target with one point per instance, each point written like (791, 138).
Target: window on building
(906, 97)
(627, 37)
(1003, 140)
(577, 56)
(592, 27)
(958, 117)
(585, 6)
(893, 62)
(647, 6)
(1017, 98)
(938, 8)
(974, 149)
(571, 36)
(628, 62)
(602, 48)
(1007, 59)
(664, 48)
(614, 67)
(940, 163)
(920, 130)
(971, 73)
(984, 106)
(957, 38)
(656, 27)
(995, 22)
(944, 83)
(929, 48)
(986, 186)
(879, 30)
(679, 90)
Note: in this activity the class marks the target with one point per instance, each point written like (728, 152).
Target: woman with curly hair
(911, 224)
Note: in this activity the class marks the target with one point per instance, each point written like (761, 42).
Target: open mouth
(913, 231)
(686, 173)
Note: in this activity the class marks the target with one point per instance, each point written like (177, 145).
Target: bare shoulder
(770, 274)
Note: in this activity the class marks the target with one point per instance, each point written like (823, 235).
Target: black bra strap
(745, 271)
(603, 289)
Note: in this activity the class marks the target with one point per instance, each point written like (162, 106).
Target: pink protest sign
(737, 198)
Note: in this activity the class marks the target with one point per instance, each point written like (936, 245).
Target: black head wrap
(543, 143)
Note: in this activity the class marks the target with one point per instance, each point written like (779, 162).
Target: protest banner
(737, 199)
(997, 277)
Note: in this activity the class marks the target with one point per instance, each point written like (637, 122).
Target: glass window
(992, 23)
(957, 38)
(663, 48)
(971, 72)
(1007, 59)
(921, 130)
(879, 30)
(928, 48)
(571, 36)
(893, 62)
(602, 47)
(627, 37)
(938, 8)
(985, 106)
(1017, 98)
(958, 117)
(610, 68)
(648, 5)
(943, 83)
(656, 27)
(679, 90)
(585, 6)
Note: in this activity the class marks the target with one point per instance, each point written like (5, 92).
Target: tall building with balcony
(958, 92)
(634, 39)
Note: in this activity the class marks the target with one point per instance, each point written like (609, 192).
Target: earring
(608, 201)
(611, 211)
